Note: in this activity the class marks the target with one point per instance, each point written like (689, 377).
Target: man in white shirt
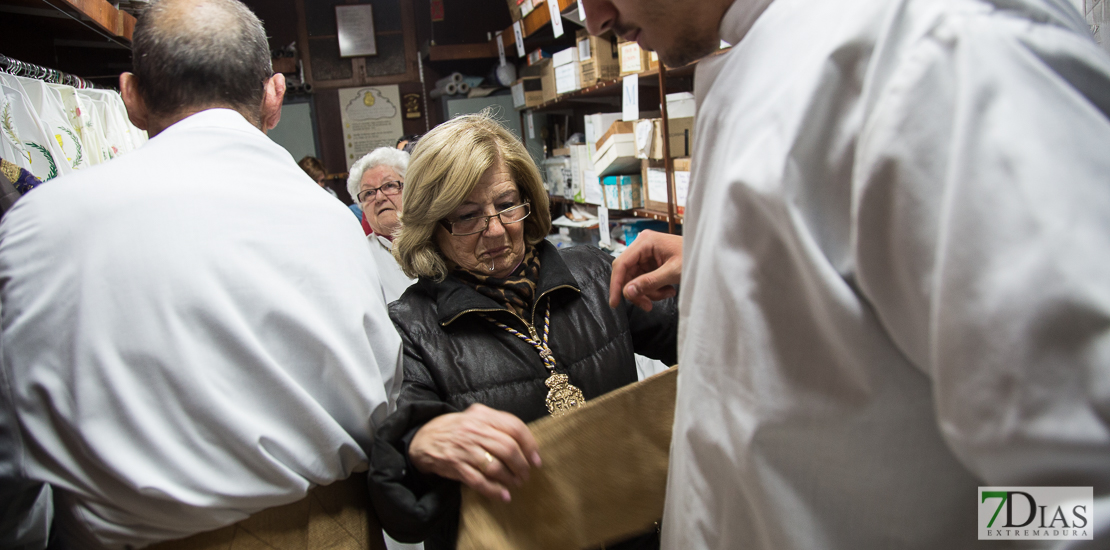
(895, 286)
(191, 332)
(376, 182)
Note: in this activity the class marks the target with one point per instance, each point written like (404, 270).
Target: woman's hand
(486, 449)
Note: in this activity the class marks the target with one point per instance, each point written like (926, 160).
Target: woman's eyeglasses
(468, 225)
(388, 189)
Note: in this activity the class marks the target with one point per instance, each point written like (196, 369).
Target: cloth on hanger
(47, 103)
(80, 119)
(26, 141)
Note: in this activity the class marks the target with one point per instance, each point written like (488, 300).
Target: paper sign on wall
(519, 35)
(603, 225)
(500, 48)
(631, 101)
(371, 118)
(556, 17)
(531, 126)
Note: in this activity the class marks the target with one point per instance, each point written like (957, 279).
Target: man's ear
(272, 99)
(133, 100)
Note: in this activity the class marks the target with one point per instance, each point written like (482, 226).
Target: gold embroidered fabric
(332, 517)
(603, 477)
(10, 170)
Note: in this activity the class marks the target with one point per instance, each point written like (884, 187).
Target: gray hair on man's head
(396, 159)
(195, 54)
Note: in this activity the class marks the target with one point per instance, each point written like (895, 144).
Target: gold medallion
(564, 396)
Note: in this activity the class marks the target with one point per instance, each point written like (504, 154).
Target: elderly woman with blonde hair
(501, 328)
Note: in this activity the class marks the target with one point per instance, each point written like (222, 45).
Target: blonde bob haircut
(444, 169)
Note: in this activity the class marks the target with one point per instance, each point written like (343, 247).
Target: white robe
(191, 333)
(394, 281)
(897, 273)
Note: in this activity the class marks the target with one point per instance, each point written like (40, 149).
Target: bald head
(194, 54)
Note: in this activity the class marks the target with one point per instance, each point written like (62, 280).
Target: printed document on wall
(371, 118)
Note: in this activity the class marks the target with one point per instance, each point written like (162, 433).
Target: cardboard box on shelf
(564, 57)
(680, 132)
(681, 105)
(566, 70)
(566, 78)
(596, 126)
(622, 192)
(537, 54)
(633, 59)
(654, 178)
(546, 72)
(615, 127)
(617, 155)
(519, 8)
(527, 92)
(598, 58)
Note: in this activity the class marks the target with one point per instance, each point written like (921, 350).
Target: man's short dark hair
(211, 53)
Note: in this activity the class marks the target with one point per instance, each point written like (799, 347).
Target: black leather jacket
(454, 358)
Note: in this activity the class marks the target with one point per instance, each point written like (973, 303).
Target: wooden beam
(462, 51)
(119, 24)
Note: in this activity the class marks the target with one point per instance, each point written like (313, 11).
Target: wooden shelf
(101, 14)
(532, 23)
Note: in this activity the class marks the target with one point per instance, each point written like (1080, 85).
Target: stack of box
(622, 192)
(634, 59)
(566, 70)
(596, 126)
(598, 58)
(616, 150)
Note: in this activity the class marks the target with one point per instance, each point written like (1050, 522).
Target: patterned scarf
(516, 291)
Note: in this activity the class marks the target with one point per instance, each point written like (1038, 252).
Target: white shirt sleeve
(983, 197)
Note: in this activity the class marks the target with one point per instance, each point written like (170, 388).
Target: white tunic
(191, 333)
(896, 284)
(394, 281)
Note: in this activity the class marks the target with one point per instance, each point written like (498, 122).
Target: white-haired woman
(375, 182)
